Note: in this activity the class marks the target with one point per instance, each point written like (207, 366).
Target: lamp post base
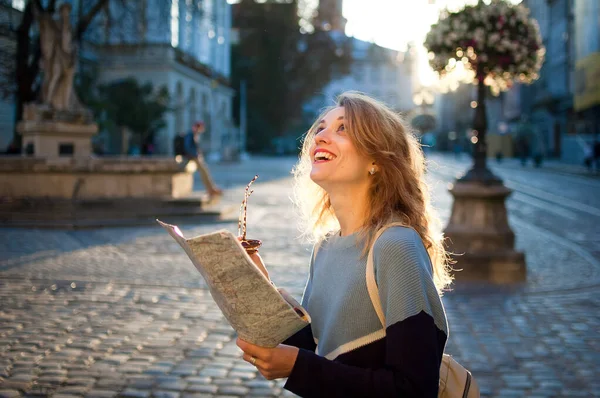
(479, 235)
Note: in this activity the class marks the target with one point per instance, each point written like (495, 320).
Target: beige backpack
(455, 380)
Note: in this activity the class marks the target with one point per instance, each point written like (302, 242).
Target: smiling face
(335, 159)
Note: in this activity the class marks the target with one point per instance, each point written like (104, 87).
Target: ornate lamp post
(499, 44)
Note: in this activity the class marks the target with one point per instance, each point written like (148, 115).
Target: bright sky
(395, 23)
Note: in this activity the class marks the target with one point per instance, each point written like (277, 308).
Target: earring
(372, 171)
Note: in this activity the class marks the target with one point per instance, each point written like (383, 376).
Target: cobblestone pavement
(122, 312)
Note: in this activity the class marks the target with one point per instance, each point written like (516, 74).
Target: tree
(23, 64)
(125, 103)
(282, 66)
(498, 43)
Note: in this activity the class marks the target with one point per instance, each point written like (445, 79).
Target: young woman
(361, 170)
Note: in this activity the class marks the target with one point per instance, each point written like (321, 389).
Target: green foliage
(283, 68)
(126, 103)
(140, 108)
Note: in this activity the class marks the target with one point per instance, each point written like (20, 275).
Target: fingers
(265, 355)
(272, 363)
(264, 368)
(245, 346)
(251, 349)
(258, 261)
(259, 363)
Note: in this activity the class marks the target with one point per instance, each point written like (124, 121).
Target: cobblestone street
(123, 312)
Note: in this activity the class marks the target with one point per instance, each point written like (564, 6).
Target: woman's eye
(319, 129)
(342, 128)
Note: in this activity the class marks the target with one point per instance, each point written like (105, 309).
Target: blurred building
(9, 20)
(380, 72)
(377, 71)
(183, 45)
(329, 16)
(586, 105)
(564, 104)
(548, 102)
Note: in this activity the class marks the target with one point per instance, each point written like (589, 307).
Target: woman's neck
(349, 205)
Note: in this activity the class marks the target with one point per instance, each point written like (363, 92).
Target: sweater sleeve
(413, 340)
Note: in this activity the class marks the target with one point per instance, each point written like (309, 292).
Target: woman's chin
(316, 175)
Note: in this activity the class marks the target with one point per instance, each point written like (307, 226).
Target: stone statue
(59, 59)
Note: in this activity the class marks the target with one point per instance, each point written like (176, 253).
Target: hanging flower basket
(498, 42)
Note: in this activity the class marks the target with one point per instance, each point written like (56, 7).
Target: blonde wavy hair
(398, 191)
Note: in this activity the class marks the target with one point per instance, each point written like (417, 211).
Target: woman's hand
(272, 363)
(259, 262)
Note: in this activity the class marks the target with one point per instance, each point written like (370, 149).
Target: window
(66, 149)
(175, 23)
(18, 4)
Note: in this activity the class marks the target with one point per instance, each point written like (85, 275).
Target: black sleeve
(411, 368)
(302, 339)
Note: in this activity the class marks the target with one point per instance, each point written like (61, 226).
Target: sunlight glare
(397, 23)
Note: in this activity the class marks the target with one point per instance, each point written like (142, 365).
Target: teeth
(323, 156)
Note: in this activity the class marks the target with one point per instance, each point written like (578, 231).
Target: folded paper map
(259, 312)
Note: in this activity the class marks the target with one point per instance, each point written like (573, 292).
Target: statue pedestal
(51, 139)
(480, 237)
(50, 133)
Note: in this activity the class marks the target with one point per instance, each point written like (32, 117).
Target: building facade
(377, 71)
(564, 104)
(9, 20)
(586, 104)
(329, 16)
(185, 46)
(548, 102)
(181, 44)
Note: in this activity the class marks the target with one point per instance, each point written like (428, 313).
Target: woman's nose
(321, 137)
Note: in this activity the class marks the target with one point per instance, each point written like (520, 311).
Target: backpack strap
(370, 274)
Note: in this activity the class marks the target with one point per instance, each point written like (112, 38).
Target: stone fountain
(57, 182)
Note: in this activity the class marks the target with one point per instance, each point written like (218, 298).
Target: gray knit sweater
(401, 359)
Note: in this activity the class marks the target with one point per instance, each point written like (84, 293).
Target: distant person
(524, 134)
(588, 156)
(191, 151)
(523, 151)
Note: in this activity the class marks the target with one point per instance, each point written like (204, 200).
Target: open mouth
(322, 156)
